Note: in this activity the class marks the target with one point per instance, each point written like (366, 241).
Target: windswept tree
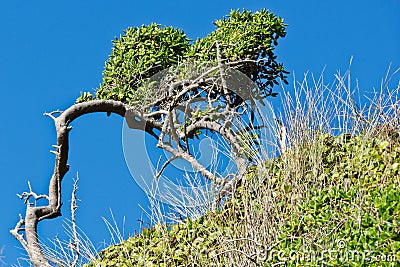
(176, 91)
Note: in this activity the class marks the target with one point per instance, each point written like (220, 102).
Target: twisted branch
(34, 214)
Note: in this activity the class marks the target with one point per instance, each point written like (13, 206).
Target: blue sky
(52, 50)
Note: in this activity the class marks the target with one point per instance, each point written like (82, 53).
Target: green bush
(138, 54)
(246, 35)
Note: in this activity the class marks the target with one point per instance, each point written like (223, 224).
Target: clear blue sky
(52, 50)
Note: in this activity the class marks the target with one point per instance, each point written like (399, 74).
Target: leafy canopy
(247, 36)
(138, 54)
(243, 36)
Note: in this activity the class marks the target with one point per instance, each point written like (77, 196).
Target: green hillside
(332, 201)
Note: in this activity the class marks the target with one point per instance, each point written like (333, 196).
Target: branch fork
(27, 195)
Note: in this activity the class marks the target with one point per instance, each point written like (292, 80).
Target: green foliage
(349, 214)
(174, 245)
(85, 96)
(138, 54)
(143, 51)
(355, 215)
(246, 35)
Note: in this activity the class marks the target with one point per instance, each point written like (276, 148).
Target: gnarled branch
(35, 214)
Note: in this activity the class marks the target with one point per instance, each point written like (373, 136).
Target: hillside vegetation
(335, 200)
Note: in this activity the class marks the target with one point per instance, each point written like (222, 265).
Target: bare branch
(163, 131)
(27, 195)
(18, 228)
(158, 174)
(74, 245)
(221, 68)
(198, 166)
(51, 114)
(224, 130)
(173, 130)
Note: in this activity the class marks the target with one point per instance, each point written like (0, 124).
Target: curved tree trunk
(29, 223)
